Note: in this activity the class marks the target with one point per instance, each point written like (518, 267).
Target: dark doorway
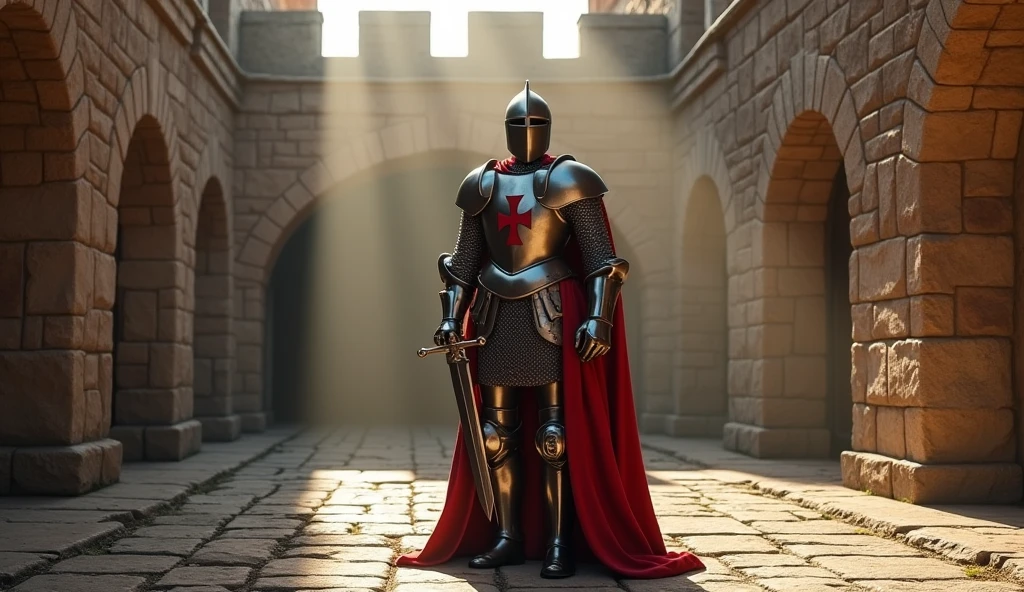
(840, 325)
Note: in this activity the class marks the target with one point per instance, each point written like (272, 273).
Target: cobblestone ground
(330, 510)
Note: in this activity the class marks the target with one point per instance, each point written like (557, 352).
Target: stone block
(927, 197)
(174, 442)
(42, 397)
(64, 470)
(995, 483)
(6, 466)
(132, 441)
(776, 442)
(988, 215)
(931, 315)
(984, 311)
(253, 422)
(876, 474)
(151, 406)
(950, 373)
(941, 263)
(221, 429)
(281, 42)
(960, 435)
(883, 270)
(890, 440)
(60, 278)
(169, 365)
(805, 377)
(891, 319)
(858, 372)
(849, 466)
(864, 428)
(631, 45)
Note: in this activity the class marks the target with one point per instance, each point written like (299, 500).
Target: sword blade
(472, 434)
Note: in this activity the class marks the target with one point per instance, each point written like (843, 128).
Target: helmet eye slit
(538, 121)
(519, 121)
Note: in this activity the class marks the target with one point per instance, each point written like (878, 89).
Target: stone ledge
(253, 423)
(145, 494)
(762, 442)
(159, 443)
(61, 470)
(988, 536)
(916, 483)
(221, 429)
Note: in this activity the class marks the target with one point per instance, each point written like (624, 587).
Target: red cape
(615, 521)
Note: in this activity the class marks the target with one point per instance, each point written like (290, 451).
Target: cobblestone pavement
(330, 510)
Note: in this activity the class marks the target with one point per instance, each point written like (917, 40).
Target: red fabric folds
(505, 166)
(615, 524)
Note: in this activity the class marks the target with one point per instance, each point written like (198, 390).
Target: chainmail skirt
(515, 353)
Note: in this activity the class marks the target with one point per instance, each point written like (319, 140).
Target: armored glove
(594, 337)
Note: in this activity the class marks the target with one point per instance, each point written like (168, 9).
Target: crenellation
(501, 45)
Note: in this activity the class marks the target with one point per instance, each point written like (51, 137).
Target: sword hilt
(452, 348)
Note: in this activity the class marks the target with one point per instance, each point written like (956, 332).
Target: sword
(472, 433)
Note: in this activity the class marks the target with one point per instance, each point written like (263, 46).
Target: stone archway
(779, 358)
(213, 344)
(153, 398)
(55, 374)
(261, 237)
(700, 390)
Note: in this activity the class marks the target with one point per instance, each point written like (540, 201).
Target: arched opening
(701, 400)
(153, 400)
(353, 293)
(781, 376)
(213, 344)
(838, 250)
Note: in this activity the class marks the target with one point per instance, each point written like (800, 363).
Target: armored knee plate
(501, 439)
(550, 442)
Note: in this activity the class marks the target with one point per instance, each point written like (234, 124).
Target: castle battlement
(501, 44)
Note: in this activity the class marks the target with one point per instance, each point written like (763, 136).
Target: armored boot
(550, 441)
(502, 437)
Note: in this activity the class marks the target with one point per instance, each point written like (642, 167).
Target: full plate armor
(517, 218)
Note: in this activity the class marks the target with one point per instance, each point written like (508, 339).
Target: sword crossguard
(455, 350)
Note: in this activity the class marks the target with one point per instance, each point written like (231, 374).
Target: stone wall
(112, 123)
(917, 102)
(132, 313)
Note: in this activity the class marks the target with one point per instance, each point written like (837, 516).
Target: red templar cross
(514, 219)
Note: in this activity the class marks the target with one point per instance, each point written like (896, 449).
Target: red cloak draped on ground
(615, 520)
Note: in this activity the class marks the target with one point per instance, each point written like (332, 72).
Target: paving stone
(140, 491)
(116, 564)
(291, 583)
(761, 560)
(528, 576)
(806, 527)
(343, 553)
(153, 546)
(714, 545)
(199, 589)
(805, 585)
(261, 522)
(455, 587)
(693, 526)
(393, 530)
(176, 532)
(363, 518)
(324, 567)
(247, 552)
(12, 565)
(80, 583)
(858, 546)
(32, 537)
(229, 577)
(962, 544)
(453, 572)
(258, 533)
(891, 568)
(64, 516)
(191, 520)
(345, 540)
(262, 510)
(939, 586)
(788, 571)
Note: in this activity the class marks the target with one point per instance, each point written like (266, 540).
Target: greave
(550, 442)
(502, 437)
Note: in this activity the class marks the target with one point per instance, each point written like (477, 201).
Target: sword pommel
(455, 349)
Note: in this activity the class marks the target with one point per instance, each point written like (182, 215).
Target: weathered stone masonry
(172, 178)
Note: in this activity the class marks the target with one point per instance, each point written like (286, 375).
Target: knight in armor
(535, 258)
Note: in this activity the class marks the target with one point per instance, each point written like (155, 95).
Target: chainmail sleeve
(469, 249)
(587, 219)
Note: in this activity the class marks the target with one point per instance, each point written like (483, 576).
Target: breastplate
(519, 231)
